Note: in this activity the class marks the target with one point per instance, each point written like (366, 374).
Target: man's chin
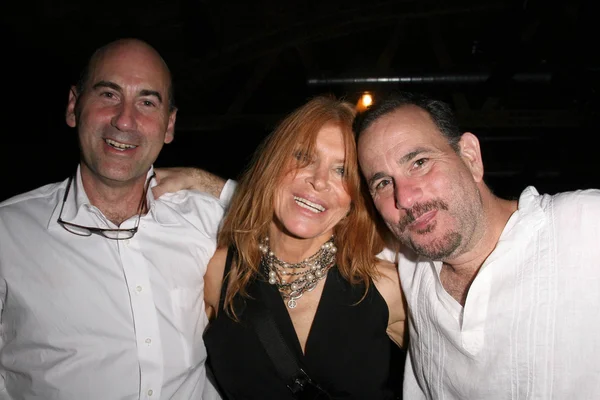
(435, 248)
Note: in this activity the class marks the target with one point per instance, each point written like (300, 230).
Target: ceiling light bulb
(367, 100)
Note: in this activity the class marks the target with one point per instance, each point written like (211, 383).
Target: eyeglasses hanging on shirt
(113, 234)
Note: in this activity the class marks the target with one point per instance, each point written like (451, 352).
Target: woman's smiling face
(313, 199)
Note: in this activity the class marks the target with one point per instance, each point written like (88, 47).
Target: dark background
(522, 75)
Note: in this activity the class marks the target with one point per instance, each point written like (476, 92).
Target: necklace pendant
(302, 276)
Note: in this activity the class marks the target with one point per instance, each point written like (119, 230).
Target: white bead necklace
(307, 273)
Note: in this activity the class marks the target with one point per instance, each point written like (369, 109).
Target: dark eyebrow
(114, 86)
(377, 176)
(403, 160)
(146, 92)
(408, 157)
(107, 84)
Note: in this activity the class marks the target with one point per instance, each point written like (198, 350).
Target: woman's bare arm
(213, 281)
(388, 284)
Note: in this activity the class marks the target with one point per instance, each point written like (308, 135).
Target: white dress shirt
(93, 318)
(530, 327)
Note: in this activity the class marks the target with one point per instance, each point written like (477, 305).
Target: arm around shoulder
(173, 179)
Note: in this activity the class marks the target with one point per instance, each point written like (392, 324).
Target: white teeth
(309, 205)
(119, 146)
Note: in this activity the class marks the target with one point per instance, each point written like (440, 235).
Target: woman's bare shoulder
(387, 269)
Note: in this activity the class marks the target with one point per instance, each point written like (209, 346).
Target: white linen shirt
(99, 319)
(530, 327)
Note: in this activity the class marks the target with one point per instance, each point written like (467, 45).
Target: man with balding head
(101, 283)
(502, 295)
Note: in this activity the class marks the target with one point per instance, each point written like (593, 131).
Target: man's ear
(470, 152)
(170, 135)
(70, 114)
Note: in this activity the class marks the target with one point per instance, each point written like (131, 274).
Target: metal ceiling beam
(468, 120)
(433, 78)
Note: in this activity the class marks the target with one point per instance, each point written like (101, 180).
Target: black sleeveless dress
(347, 351)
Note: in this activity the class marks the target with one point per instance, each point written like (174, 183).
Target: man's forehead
(404, 118)
(130, 64)
(127, 82)
(404, 124)
(396, 134)
(379, 131)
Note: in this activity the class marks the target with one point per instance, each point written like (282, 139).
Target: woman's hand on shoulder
(388, 284)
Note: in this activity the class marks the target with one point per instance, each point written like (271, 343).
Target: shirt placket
(145, 319)
(475, 314)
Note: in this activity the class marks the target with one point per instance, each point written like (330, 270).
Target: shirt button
(148, 341)
(138, 288)
(150, 392)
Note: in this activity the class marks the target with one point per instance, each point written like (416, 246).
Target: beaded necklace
(307, 273)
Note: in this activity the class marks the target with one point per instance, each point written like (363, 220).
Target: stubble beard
(437, 249)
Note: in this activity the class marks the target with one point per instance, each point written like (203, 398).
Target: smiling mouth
(421, 214)
(119, 146)
(309, 205)
(424, 218)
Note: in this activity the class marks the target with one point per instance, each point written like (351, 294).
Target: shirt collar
(76, 204)
(78, 210)
(527, 219)
(529, 215)
(158, 208)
